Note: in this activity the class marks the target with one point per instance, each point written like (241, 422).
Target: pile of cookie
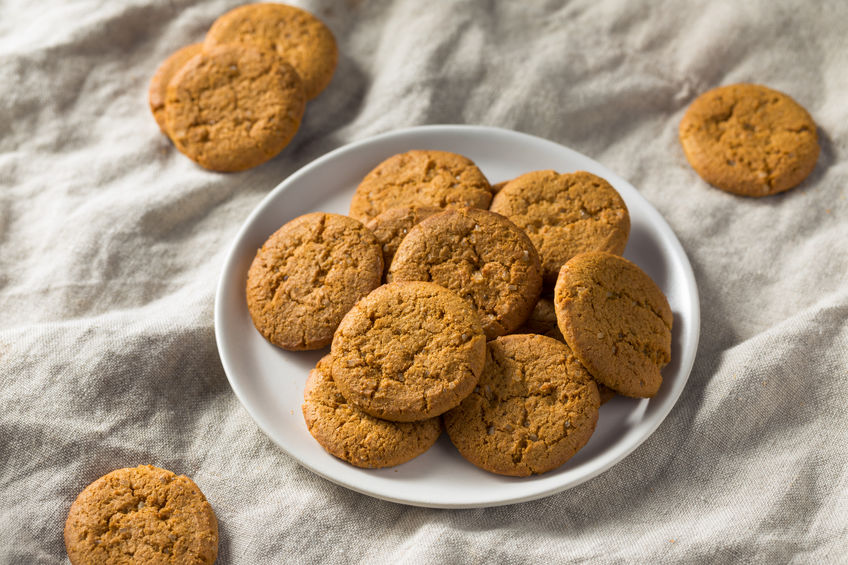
(236, 100)
(497, 314)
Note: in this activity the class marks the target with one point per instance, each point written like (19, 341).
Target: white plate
(269, 381)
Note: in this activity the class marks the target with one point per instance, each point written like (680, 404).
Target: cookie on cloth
(141, 515)
(565, 214)
(616, 320)
(296, 36)
(533, 409)
(749, 139)
(394, 224)
(159, 83)
(481, 256)
(421, 178)
(408, 351)
(350, 434)
(232, 107)
(306, 277)
(543, 321)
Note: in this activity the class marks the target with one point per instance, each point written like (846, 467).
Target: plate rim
(692, 332)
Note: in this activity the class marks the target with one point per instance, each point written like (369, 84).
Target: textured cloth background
(111, 243)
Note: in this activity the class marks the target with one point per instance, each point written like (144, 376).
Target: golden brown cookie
(533, 409)
(295, 35)
(543, 321)
(499, 186)
(233, 107)
(408, 351)
(306, 277)
(141, 515)
(565, 214)
(749, 139)
(391, 227)
(164, 74)
(352, 435)
(616, 320)
(421, 178)
(481, 256)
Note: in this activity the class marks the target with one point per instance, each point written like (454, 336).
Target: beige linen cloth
(111, 243)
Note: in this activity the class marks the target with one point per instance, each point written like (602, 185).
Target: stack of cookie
(237, 99)
(505, 318)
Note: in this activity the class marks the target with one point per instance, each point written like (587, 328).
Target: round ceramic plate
(269, 381)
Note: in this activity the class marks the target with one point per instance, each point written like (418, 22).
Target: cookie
(306, 277)
(233, 107)
(533, 409)
(296, 36)
(408, 351)
(391, 227)
(543, 321)
(616, 320)
(481, 256)
(421, 178)
(352, 435)
(750, 140)
(141, 515)
(159, 83)
(565, 214)
(498, 186)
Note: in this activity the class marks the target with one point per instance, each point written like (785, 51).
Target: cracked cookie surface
(159, 83)
(392, 225)
(232, 107)
(565, 214)
(141, 515)
(481, 256)
(533, 409)
(306, 277)
(350, 434)
(421, 178)
(296, 36)
(749, 139)
(542, 321)
(408, 351)
(616, 320)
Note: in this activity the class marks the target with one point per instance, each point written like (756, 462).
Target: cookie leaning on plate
(295, 35)
(232, 107)
(392, 225)
(481, 256)
(533, 409)
(749, 139)
(141, 515)
(408, 351)
(420, 178)
(565, 214)
(354, 436)
(616, 320)
(306, 277)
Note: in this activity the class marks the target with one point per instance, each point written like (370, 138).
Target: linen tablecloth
(111, 243)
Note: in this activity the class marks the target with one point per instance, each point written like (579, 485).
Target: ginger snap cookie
(481, 256)
(408, 351)
(306, 277)
(296, 36)
(565, 214)
(750, 140)
(141, 515)
(232, 107)
(616, 320)
(533, 409)
(421, 178)
(350, 434)
(394, 224)
(159, 83)
(543, 321)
